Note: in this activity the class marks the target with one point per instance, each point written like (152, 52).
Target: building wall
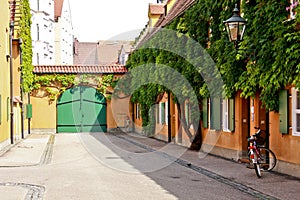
(170, 3)
(43, 115)
(285, 146)
(42, 32)
(230, 144)
(118, 111)
(17, 90)
(4, 75)
(64, 37)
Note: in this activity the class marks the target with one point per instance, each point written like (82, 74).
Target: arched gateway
(81, 109)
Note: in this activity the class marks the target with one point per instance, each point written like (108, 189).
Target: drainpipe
(133, 121)
(267, 128)
(169, 119)
(11, 26)
(29, 119)
(21, 89)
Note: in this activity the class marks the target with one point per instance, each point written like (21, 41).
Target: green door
(81, 109)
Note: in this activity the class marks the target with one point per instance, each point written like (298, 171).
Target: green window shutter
(204, 113)
(215, 117)
(29, 111)
(231, 115)
(163, 111)
(284, 111)
(187, 115)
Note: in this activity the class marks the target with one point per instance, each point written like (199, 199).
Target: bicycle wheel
(257, 170)
(267, 159)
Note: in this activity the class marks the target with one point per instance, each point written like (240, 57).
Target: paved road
(119, 166)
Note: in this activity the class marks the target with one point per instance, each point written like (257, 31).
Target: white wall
(64, 36)
(42, 32)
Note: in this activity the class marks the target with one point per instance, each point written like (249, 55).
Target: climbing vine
(53, 85)
(269, 37)
(25, 35)
(265, 63)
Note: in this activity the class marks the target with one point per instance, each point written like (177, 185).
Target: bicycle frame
(253, 151)
(255, 154)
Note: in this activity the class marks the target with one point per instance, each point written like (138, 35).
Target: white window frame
(225, 115)
(295, 112)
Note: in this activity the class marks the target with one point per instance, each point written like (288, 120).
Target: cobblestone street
(109, 166)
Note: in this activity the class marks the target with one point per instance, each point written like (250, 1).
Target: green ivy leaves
(25, 35)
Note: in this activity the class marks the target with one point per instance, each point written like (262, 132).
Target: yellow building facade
(4, 75)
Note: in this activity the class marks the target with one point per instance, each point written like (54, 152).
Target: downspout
(267, 128)
(133, 119)
(29, 119)
(21, 89)
(11, 26)
(169, 119)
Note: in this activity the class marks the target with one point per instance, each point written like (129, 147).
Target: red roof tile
(156, 9)
(58, 4)
(79, 69)
(179, 7)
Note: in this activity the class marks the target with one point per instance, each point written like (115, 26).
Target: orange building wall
(228, 144)
(285, 147)
(117, 111)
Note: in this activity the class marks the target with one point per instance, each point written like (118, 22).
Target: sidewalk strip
(210, 174)
(47, 154)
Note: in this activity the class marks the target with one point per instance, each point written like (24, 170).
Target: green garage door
(81, 109)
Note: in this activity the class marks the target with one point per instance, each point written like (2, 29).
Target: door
(81, 109)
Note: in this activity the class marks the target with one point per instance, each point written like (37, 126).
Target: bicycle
(262, 158)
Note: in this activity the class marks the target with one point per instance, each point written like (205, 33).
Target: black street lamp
(235, 27)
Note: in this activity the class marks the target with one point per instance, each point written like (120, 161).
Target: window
(296, 112)
(38, 31)
(38, 58)
(221, 114)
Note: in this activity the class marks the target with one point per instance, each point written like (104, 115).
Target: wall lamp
(235, 27)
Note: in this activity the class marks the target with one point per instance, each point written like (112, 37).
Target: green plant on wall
(25, 34)
(274, 41)
(55, 84)
(267, 61)
(52, 84)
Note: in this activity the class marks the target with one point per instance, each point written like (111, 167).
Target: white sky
(95, 20)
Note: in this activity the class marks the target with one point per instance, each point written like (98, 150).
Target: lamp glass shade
(235, 30)
(235, 26)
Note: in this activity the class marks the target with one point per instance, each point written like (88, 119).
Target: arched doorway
(81, 109)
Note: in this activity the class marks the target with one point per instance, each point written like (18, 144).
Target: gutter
(21, 89)
(11, 26)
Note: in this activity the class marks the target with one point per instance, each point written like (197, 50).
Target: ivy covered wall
(267, 60)
(25, 35)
